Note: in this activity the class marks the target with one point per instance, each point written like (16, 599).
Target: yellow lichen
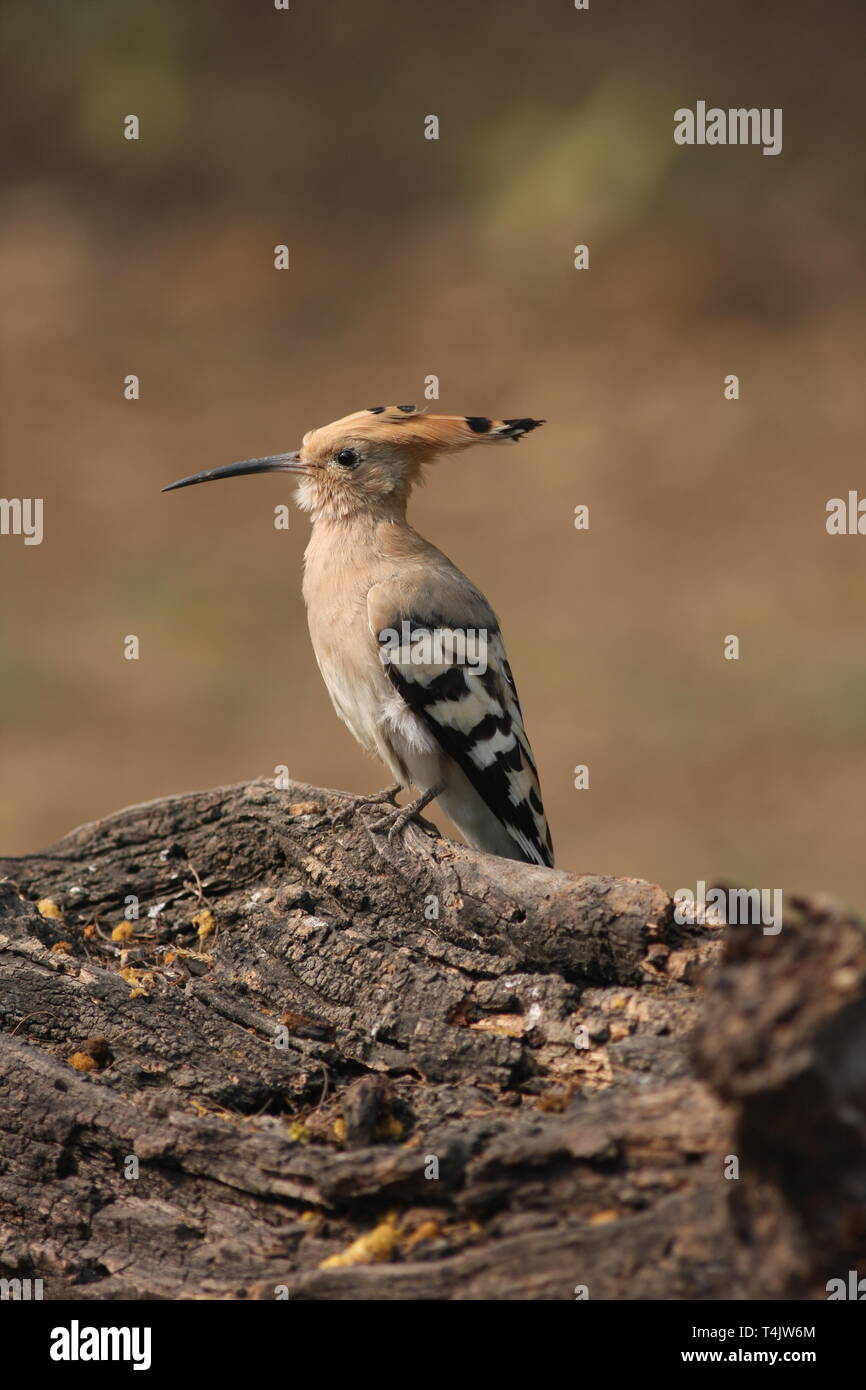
(428, 1230)
(46, 907)
(142, 980)
(373, 1248)
(82, 1061)
(205, 923)
(91, 1055)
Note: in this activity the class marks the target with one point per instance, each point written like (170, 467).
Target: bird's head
(369, 461)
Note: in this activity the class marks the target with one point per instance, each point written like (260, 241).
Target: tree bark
(249, 1045)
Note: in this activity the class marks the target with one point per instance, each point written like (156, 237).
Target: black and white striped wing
(475, 717)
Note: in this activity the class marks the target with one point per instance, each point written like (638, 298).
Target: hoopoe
(392, 621)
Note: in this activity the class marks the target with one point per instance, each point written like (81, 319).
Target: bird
(409, 649)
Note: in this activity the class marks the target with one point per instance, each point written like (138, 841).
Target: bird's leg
(407, 813)
(388, 794)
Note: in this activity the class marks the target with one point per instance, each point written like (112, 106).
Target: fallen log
(250, 1046)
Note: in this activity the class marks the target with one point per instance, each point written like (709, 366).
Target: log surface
(322, 1062)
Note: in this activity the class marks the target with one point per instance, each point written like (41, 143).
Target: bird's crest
(421, 434)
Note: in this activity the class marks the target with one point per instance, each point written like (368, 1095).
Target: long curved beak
(274, 463)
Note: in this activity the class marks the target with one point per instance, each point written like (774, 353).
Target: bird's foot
(355, 803)
(406, 814)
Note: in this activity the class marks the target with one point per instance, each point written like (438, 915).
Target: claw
(355, 803)
(408, 813)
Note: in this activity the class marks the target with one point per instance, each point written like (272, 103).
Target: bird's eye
(347, 458)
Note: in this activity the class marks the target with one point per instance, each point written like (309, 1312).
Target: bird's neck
(361, 542)
(364, 522)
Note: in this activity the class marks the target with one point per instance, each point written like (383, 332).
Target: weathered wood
(522, 1081)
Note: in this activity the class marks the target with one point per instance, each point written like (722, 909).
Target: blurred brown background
(409, 258)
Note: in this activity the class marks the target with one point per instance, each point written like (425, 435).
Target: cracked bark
(355, 1036)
